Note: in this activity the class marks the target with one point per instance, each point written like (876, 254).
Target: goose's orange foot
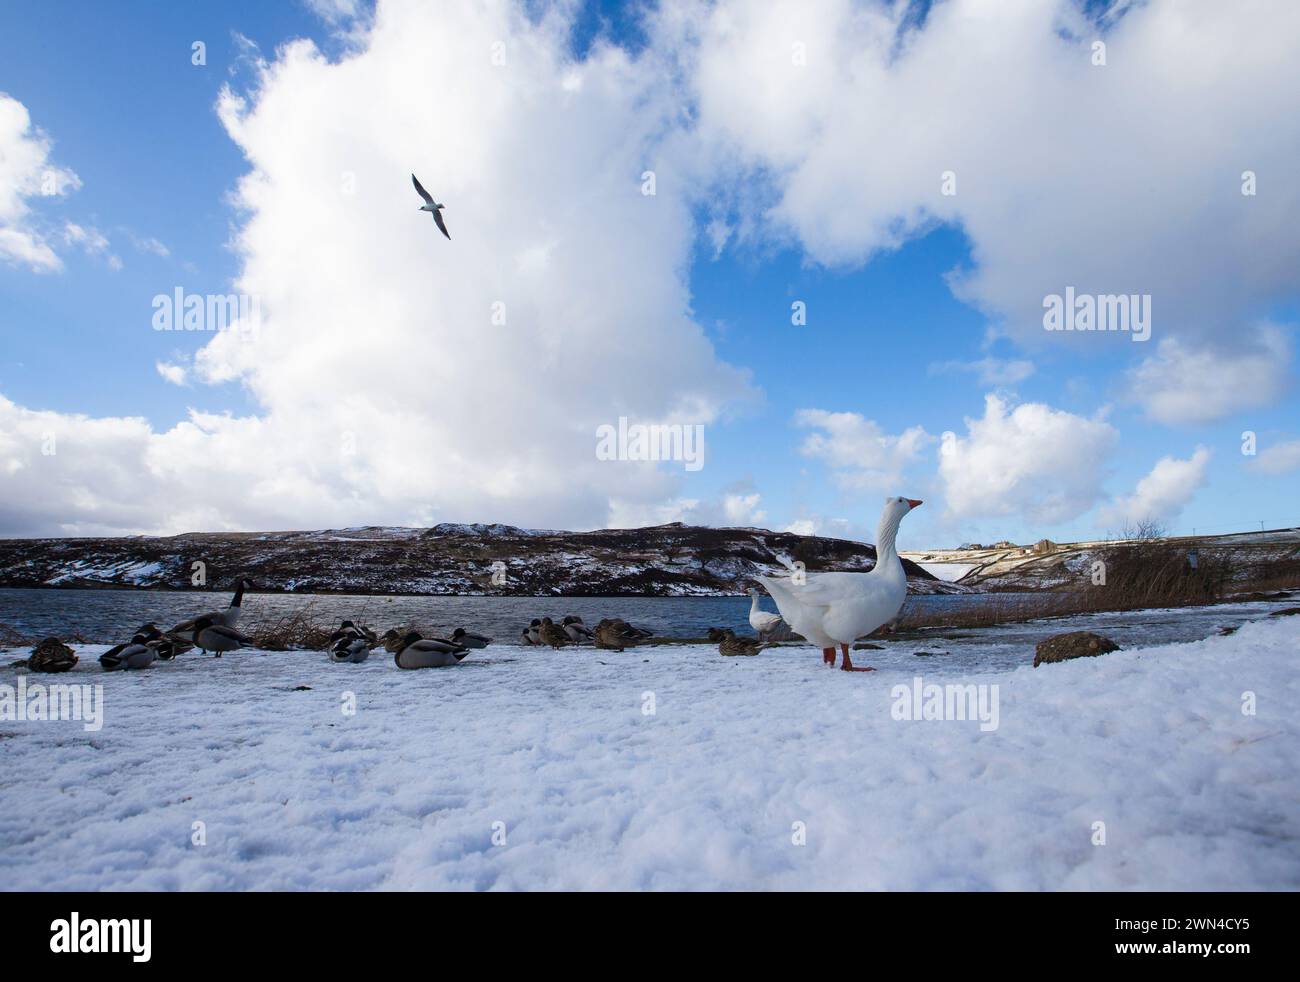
(848, 665)
(828, 656)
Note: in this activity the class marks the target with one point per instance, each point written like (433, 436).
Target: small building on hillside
(1044, 546)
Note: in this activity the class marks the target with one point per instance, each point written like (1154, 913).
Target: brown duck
(732, 645)
(51, 655)
(552, 634)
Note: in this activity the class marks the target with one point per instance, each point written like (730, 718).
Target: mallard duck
(839, 608)
(534, 631)
(576, 630)
(361, 631)
(615, 634)
(633, 633)
(525, 639)
(136, 653)
(210, 635)
(187, 630)
(351, 643)
(468, 639)
(165, 647)
(552, 634)
(412, 651)
(51, 655)
(732, 645)
(716, 634)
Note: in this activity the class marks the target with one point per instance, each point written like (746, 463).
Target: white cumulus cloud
(1163, 493)
(26, 172)
(402, 378)
(857, 119)
(1278, 458)
(1184, 384)
(1028, 460)
(861, 456)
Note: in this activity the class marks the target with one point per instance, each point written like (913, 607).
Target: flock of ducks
(828, 609)
(611, 634)
(218, 632)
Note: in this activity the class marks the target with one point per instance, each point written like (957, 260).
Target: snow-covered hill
(663, 560)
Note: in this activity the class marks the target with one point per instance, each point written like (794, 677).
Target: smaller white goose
(412, 651)
(760, 620)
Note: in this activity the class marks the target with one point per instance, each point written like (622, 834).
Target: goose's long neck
(753, 607)
(887, 560)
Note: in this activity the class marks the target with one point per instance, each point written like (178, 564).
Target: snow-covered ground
(525, 768)
(948, 572)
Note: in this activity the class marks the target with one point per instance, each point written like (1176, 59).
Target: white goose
(839, 608)
(760, 620)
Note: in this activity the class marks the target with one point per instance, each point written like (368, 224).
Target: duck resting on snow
(351, 643)
(838, 608)
(534, 631)
(50, 655)
(576, 630)
(410, 650)
(730, 645)
(552, 634)
(468, 639)
(137, 653)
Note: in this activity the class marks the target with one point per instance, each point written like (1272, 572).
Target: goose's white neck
(753, 606)
(887, 561)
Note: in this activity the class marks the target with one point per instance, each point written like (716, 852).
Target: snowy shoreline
(524, 769)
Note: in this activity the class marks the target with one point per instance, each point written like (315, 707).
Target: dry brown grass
(303, 628)
(1137, 576)
(12, 637)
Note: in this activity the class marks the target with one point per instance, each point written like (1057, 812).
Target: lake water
(112, 615)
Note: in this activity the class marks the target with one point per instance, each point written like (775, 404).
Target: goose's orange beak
(914, 503)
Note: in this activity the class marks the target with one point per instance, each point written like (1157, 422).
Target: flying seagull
(430, 205)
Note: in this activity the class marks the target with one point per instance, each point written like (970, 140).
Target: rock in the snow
(1287, 612)
(1076, 644)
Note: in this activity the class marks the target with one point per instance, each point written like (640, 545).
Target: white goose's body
(801, 620)
(838, 608)
(760, 620)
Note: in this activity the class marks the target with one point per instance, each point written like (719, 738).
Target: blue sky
(114, 93)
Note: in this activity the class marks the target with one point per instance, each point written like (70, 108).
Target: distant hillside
(1050, 565)
(665, 560)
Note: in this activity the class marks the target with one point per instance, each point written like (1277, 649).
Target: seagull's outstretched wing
(428, 199)
(437, 217)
